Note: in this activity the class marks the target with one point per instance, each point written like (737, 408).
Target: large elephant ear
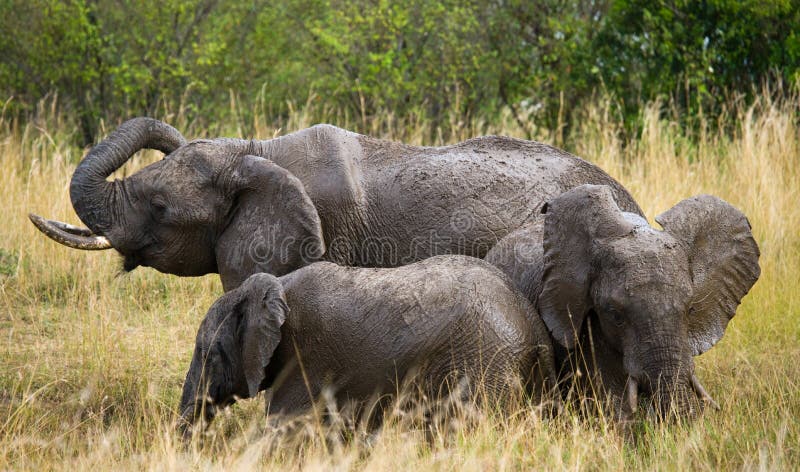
(273, 226)
(574, 221)
(260, 327)
(723, 259)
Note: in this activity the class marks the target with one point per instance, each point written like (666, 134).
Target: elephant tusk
(76, 230)
(69, 235)
(702, 393)
(632, 394)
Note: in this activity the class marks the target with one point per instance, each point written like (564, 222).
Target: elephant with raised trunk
(238, 207)
(445, 322)
(628, 303)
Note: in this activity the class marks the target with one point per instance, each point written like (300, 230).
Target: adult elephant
(238, 207)
(630, 304)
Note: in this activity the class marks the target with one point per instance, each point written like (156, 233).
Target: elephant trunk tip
(677, 401)
(684, 399)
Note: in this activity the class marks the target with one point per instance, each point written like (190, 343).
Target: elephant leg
(291, 397)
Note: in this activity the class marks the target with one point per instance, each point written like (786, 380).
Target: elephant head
(234, 345)
(656, 298)
(208, 206)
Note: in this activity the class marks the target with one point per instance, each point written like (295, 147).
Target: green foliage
(694, 52)
(108, 58)
(401, 56)
(441, 60)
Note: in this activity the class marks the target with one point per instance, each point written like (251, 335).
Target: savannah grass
(92, 361)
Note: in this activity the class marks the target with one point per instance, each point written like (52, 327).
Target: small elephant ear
(723, 259)
(274, 226)
(264, 312)
(574, 222)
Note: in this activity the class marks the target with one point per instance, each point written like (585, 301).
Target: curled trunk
(92, 195)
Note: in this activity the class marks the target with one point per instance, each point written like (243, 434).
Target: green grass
(92, 362)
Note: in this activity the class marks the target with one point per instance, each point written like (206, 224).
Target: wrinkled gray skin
(362, 331)
(239, 207)
(632, 304)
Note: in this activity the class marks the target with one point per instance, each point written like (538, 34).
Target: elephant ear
(263, 314)
(235, 343)
(574, 222)
(272, 227)
(723, 259)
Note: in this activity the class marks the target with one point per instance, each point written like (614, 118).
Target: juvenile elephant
(363, 331)
(238, 207)
(630, 303)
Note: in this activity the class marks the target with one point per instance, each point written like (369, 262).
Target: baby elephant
(448, 320)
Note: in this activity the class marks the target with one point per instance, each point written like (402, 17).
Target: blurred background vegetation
(671, 98)
(442, 62)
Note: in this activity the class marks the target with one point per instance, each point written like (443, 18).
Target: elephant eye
(616, 316)
(159, 207)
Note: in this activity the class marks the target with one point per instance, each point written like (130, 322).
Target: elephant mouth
(136, 258)
(138, 255)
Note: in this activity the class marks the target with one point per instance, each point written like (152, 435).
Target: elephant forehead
(651, 259)
(165, 174)
(178, 183)
(644, 247)
(656, 295)
(197, 159)
(645, 268)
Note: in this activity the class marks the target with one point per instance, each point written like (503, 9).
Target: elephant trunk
(674, 397)
(186, 405)
(90, 192)
(194, 404)
(672, 391)
(668, 371)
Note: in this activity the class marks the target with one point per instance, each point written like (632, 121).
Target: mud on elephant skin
(446, 320)
(238, 207)
(628, 303)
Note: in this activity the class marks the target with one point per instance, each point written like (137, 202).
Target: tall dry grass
(91, 362)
